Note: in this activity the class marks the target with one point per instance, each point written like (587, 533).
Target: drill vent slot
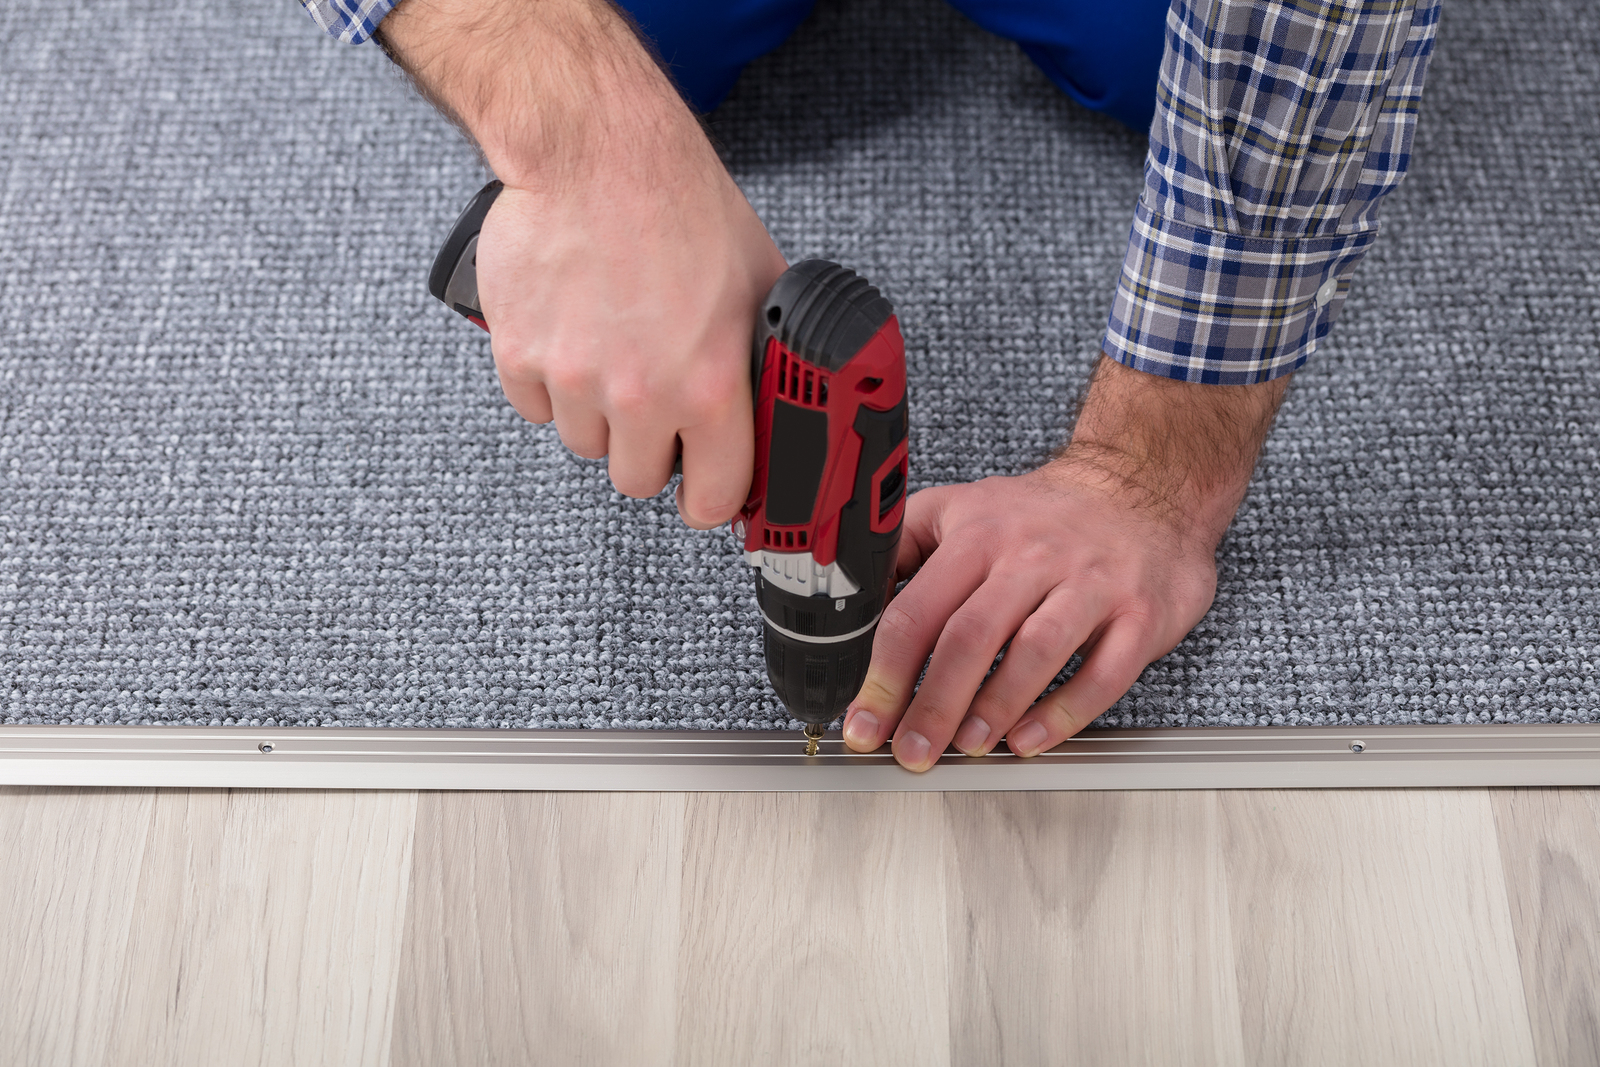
(816, 683)
(802, 539)
(891, 489)
(783, 372)
(806, 399)
(822, 391)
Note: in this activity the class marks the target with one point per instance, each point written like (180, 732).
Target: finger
(528, 398)
(718, 461)
(906, 634)
(1106, 674)
(966, 648)
(640, 462)
(1041, 646)
(582, 428)
(919, 535)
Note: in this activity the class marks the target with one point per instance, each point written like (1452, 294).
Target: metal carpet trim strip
(770, 761)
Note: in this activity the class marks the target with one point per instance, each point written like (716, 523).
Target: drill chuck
(822, 524)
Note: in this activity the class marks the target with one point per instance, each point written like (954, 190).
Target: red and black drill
(822, 522)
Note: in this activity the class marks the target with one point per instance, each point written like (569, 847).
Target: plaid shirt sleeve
(348, 21)
(1280, 125)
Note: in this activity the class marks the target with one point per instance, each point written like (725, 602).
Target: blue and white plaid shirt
(349, 21)
(1279, 128)
(1280, 125)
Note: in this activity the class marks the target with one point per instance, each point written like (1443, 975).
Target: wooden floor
(1357, 927)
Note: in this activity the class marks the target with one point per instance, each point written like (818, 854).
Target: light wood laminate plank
(1550, 849)
(69, 864)
(1090, 928)
(814, 930)
(211, 927)
(543, 929)
(1259, 927)
(1372, 927)
(268, 931)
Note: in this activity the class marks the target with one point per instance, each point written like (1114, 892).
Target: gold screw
(814, 731)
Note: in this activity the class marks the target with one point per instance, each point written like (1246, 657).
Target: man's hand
(1108, 551)
(621, 268)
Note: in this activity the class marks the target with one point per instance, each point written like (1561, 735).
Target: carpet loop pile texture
(251, 473)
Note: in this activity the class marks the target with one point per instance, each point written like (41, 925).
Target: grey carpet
(250, 472)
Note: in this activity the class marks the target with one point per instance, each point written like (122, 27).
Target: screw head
(265, 746)
(1358, 746)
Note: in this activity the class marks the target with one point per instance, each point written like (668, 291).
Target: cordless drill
(822, 523)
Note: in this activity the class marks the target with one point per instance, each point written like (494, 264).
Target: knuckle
(967, 629)
(711, 398)
(896, 625)
(724, 389)
(1142, 613)
(632, 397)
(1097, 570)
(710, 513)
(1194, 597)
(1037, 638)
(1099, 679)
(877, 694)
(1033, 554)
(565, 373)
(515, 360)
(983, 529)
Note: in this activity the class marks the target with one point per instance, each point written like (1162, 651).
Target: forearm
(1185, 450)
(620, 268)
(554, 92)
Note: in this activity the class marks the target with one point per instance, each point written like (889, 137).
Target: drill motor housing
(822, 523)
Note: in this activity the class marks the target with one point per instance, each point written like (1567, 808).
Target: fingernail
(1027, 740)
(973, 733)
(861, 730)
(911, 749)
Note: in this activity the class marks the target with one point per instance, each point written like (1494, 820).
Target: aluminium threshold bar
(774, 761)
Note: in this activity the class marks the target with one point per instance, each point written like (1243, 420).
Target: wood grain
(69, 863)
(1550, 849)
(209, 927)
(1372, 927)
(1090, 928)
(543, 929)
(814, 930)
(1338, 927)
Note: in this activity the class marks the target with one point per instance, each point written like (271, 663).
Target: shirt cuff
(1203, 305)
(348, 21)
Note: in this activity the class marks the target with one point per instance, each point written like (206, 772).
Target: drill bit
(814, 731)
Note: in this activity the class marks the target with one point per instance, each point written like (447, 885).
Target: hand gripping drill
(822, 523)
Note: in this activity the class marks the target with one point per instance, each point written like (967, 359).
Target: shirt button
(1329, 290)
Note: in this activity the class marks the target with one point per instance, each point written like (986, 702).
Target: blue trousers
(1104, 53)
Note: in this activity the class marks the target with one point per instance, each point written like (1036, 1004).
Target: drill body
(822, 522)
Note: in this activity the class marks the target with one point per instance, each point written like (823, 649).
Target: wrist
(1183, 451)
(1198, 514)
